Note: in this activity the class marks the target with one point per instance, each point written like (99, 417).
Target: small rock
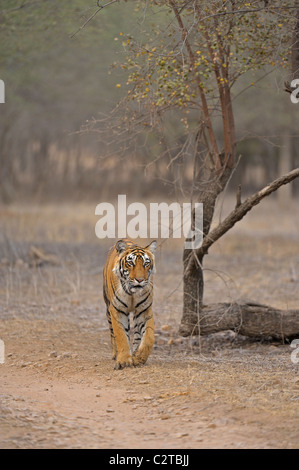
(52, 354)
(25, 364)
(178, 340)
(66, 355)
(165, 327)
(212, 425)
(160, 341)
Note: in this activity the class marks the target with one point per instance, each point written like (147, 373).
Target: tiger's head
(135, 265)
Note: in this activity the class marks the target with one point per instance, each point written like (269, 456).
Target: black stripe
(105, 297)
(124, 304)
(134, 250)
(142, 311)
(141, 302)
(120, 311)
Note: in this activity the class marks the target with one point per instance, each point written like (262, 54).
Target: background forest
(61, 81)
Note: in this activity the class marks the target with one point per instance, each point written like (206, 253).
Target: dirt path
(71, 397)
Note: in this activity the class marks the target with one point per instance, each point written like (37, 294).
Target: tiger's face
(135, 265)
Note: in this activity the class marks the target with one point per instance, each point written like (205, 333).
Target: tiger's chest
(131, 302)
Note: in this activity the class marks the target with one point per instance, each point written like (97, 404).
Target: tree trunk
(193, 274)
(193, 297)
(295, 46)
(295, 53)
(285, 165)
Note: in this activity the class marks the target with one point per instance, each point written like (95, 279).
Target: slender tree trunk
(215, 170)
(295, 53)
(193, 263)
(285, 165)
(295, 48)
(193, 298)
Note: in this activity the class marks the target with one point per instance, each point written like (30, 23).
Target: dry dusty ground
(58, 388)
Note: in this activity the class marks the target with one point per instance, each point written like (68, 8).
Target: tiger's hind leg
(143, 336)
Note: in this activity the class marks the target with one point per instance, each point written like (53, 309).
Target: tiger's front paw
(123, 361)
(139, 360)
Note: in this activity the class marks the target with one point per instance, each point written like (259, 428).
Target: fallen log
(248, 319)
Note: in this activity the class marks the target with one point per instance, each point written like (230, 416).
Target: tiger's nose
(140, 279)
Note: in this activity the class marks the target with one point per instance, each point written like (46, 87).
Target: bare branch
(241, 210)
(93, 15)
(241, 12)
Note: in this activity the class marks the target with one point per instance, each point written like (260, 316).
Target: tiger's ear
(152, 247)
(120, 246)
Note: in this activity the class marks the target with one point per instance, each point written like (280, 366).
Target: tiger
(128, 288)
